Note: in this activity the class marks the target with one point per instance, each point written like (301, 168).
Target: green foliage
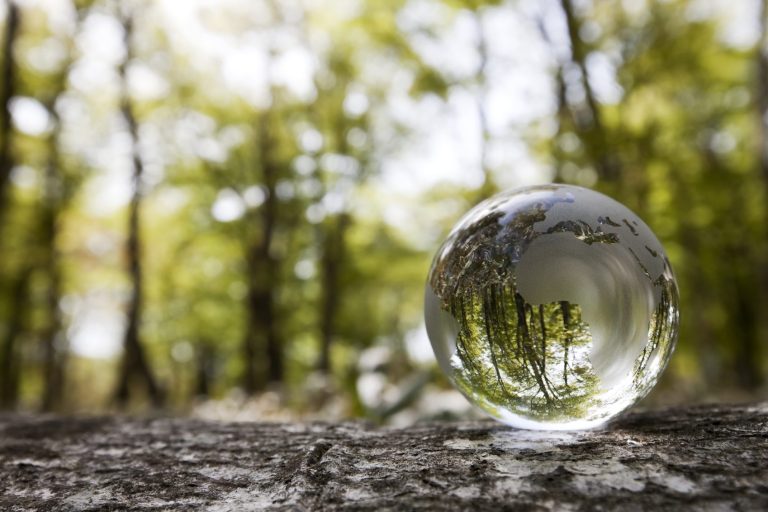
(680, 144)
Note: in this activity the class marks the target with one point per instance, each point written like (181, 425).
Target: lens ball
(552, 307)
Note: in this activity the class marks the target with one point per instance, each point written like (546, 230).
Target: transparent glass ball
(552, 307)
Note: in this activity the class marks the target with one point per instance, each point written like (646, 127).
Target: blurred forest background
(228, 208)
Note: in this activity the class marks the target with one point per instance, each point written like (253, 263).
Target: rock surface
(703, 458)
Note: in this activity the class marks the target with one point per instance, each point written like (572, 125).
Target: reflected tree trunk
(567, 340)
(531, 356)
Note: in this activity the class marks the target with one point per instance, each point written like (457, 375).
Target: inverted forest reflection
(554, 320)
(228, 209)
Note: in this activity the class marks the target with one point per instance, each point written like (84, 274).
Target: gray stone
(702, 458)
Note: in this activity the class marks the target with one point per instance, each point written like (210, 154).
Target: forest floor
(703, 458)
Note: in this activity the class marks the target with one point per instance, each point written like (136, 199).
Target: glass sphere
(552, 307)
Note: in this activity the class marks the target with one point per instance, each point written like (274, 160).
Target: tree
(262, 336)
(134, 364)
(17, 287)
(587, 118)
(53, 202)
(13, 23)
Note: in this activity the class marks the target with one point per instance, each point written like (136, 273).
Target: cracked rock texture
(702, 458)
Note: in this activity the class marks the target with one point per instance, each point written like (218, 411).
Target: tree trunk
(697, 458)
(7, 92)
(53, 347)
(15, 287)
(489, 187)
(332, 261)
(762, 90)
(588, 121)
(762, 113)
(134, 364)
(748, 368)
(54, 199)
(10, 362)
(205, 367)
(262, 336)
